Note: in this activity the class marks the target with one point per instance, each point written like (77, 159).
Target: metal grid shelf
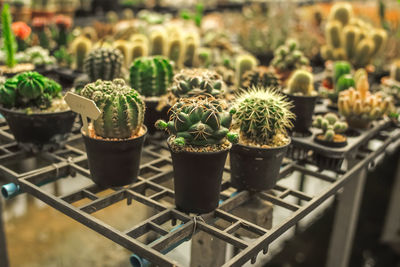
(151, 190)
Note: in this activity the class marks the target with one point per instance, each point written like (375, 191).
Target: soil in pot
(114, 162)
(197, 178)
(303, 108)
(338, 140)
(256, 168)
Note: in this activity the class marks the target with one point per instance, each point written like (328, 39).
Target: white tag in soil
(85, 107)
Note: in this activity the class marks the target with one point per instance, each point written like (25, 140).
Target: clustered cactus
(36, 55)
(104, 63)
(301, 83)
(331, 125)
(349, 38)
(360, 107)
(199, 121)
(122, 108)
(151, 76)
(29, 89)
(80, 47)
(8, 36)
(288, 57)
(260, 76)
(261, 115)
(192, 82)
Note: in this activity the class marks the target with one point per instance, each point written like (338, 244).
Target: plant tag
(85, 107)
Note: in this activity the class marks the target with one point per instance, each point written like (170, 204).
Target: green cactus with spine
(192, 43)
(192, 82)
(175, 49)
(139, 46)
(301, 83)
(395, 71)
(340, 68)
(123, 47)
(288, 57)
(333, 32)
(243, 63)
(341, 12)
(158, 40)
(10, 45)
(122, 108)
(80, 47)
(363, 53)
(151, 76)
(345, 82)
(261, 114)
(104, 63)
(260, 76)
(199, 121)
(350, 38)
(8, 92)
(330, 124)
(379, 37)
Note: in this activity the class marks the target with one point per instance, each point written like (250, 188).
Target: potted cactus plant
(261, 117)
(199, 144)
(103, 63)
(35, 111)
(151, 77)
(115, 140)
(332, 130)
(301, 92)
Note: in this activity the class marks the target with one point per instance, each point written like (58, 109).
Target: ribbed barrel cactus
(122, 108)
(192, 82)
(8, 92)
(151, 76)
(330, 124)
(104, 63)
(260, 114)
(30, 85)
(301, 83)
(260, 76)
(199, 121)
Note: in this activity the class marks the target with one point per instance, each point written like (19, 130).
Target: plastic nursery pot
(114, 163)
(358, 123)
(39, 128)
(329, 143)
(255, 168)
(152, 114)
(303, 108)
(197, 179)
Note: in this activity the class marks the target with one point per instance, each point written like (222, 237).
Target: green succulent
(8, 93)
(301, 83)
(30, 85)
(199, 121)
(340, 68)
(104, 63)
(330, 124)
(122, 108)
(345, 82)
(288, 58)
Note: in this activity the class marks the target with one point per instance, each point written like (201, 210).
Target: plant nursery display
(115, 140)
(332, 130)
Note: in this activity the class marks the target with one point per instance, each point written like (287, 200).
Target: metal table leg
(3, 246)
(346, 220)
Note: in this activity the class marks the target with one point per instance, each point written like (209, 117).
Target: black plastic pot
(114, 163)
(254, 168)
(303, 108)
(152, 114)
(197, 179)
(39, 128)
(329, 143)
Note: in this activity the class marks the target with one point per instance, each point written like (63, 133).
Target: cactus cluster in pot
(331, 126)
(301, 83)
(360, 107)
(350, 38)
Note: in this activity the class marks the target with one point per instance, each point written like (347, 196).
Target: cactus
(139, 46)
(10, 45)
(333, 31)
(260, 76)
(327, 52)
(395, 71)
(63, 23)
(363, 53)
(244, 63)
(330, 125)
(360, 73)
(204, 57)
(340, 68)
(379, 37)
(30, 85)
(151, 76)
(122, 108)
(191, 42)
(199, 121)
(350, 37)
(112, 17)
(158, 40)
(288, 58)
(22, 32)
(360, 107)
(341, 12)
(104, 64)
(175, 49)
(261, 114)
(80, 47)
(36, 55)
(40, 25)
(8, 94)
(123, 47)
(301, 83)
(345, 82)
(192, 82)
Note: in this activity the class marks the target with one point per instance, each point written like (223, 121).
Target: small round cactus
(330, 124)
(345, 82)
(122, 108)
(260, 76)
(199, 121)
(151, 76)
(301, 83)
(260, 114)
(104, 63)
(30, 85)
(192, 82)
(340, 68)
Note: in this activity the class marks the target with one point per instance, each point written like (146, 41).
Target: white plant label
(85, 107)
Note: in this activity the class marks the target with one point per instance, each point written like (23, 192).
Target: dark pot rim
(42, 114)
(300, 96)
(198, 153)
(114, 141)
(330, 143)
(264, 149)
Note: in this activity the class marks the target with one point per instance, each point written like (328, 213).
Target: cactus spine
(330, 125)
(80, 47)
(151, 76)
(244, 63)
(8, 36)
(301, 83)
(122, 108)
(104, 64)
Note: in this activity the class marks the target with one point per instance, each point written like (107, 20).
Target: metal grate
(151, 190)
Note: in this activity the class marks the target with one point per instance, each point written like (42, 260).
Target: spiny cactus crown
(104, 63)
(301, 83)
(260, 114)
(288, 57)
(192, 82)
(199, 121)
(122, 108)
(151, 76)
(330, 124)
(260, 76)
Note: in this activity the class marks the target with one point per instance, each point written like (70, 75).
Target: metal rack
(150, 189)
